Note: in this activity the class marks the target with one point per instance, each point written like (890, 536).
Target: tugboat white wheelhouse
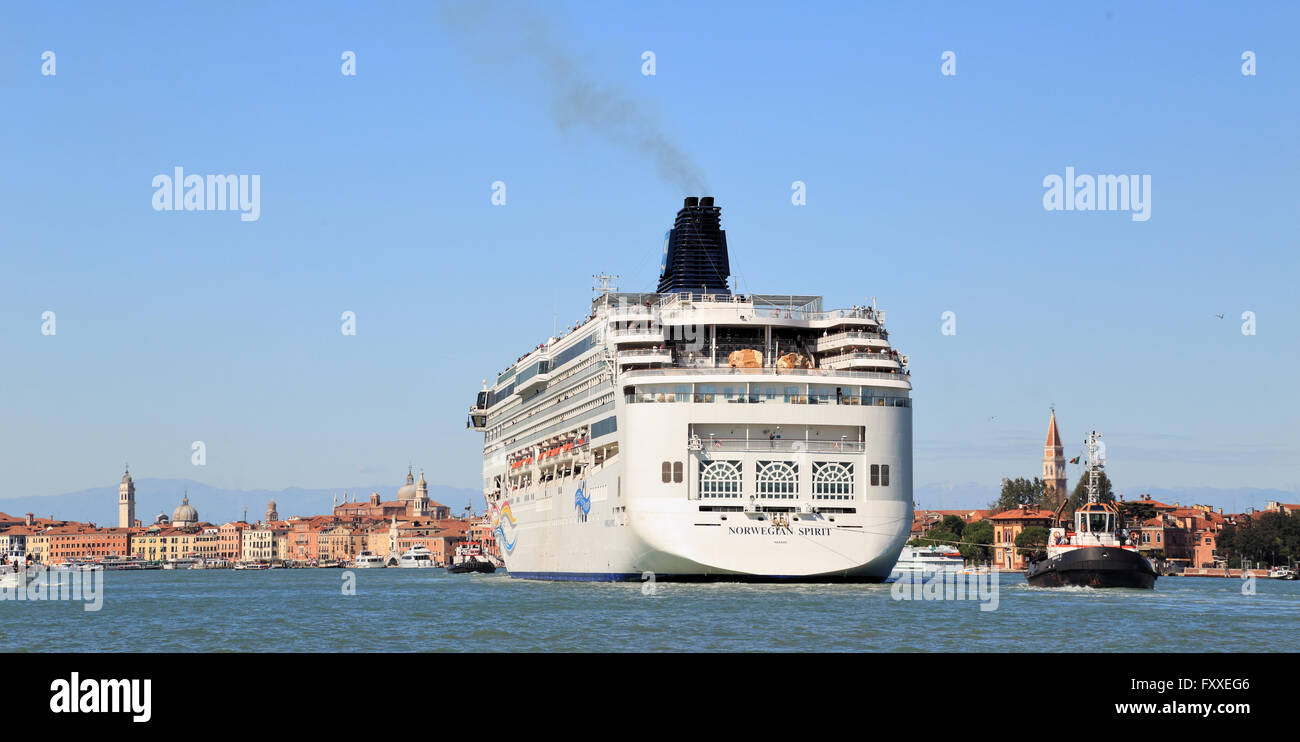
(698, 434)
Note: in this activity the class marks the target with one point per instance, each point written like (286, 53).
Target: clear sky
(923, 190)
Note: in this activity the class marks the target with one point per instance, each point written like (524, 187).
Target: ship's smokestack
(695, 250)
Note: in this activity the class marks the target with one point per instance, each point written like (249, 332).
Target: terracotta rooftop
(1023, 514)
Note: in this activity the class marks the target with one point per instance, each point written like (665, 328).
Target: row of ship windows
(756, 394)
(831, 480)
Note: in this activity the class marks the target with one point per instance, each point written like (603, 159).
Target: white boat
(1282, 573)
(252, 565)
(416, 557)
(181, 563)
(696, 433)
(368, 560)
(916, 561)
(9, 577)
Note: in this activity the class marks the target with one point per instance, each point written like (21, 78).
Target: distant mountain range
(956, 496)
(153, 496)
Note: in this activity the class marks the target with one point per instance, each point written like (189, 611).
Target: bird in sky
(1220, 316)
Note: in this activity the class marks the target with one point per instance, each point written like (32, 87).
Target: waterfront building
(1009, 524)
(126, 501)
(38, 543)
(1054, 477)
(230, 540)
(13, 541)
(86, 543)
(207, 543)
(265, 542)
(163, 541)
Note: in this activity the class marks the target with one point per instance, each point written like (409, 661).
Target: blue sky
(923, 190)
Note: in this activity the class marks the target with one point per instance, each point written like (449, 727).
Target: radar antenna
(603, 287)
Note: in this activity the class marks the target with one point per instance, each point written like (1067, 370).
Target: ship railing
(730, 445)
(849, 335)
(644, 330)
(755, 397)
(683, 368)
(878, 316)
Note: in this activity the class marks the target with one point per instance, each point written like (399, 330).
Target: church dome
(407, 492)
(185, 514)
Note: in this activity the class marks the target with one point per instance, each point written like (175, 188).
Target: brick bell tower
(1054, 464)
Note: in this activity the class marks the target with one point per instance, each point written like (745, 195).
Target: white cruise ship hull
(638, 528)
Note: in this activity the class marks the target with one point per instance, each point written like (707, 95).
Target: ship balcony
(477, 420)
(645, 356)
(644, 334)
(850, 339)
(860, 361)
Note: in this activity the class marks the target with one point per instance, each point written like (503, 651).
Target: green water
(429, 610)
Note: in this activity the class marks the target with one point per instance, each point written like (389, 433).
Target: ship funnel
(695, 251)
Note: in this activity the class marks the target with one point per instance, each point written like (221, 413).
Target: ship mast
(1096, 462)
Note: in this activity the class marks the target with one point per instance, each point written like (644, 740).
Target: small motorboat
(368, 560)
(416, 557)
(1281, 573)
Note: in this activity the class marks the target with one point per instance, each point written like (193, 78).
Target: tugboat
(469, 558)
(1092, 553)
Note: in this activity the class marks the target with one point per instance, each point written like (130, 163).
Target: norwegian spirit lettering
(770, 531)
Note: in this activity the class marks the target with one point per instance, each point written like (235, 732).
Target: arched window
(832, 480)
(778, 479)
(720, 479)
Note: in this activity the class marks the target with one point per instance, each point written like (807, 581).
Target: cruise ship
(694, 433)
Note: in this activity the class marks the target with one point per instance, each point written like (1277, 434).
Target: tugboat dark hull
(472, 565)
(1097, 566)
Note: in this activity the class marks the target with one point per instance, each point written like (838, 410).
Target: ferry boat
(917, 561)
(416, 557)
(694, 433)
(368, 560)
(1282, 573)
(1092, 553)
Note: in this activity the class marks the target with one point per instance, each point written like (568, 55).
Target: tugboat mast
(1096, 462)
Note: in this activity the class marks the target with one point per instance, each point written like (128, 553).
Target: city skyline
(923, 190)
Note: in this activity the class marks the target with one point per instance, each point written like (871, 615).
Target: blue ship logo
(582, 502)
